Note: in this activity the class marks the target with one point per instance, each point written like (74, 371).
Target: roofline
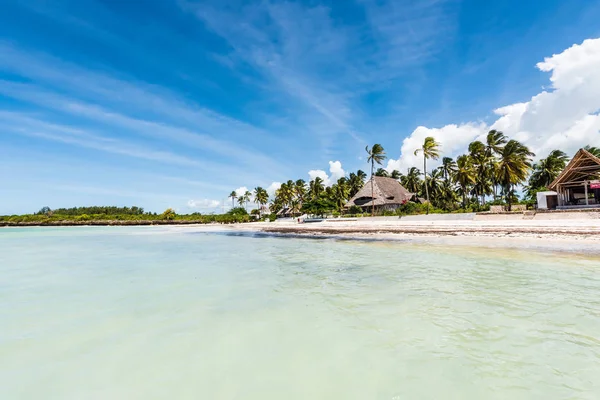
(580, 152)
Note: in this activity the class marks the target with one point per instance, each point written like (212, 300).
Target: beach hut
(388, 194)
(578, 185)
(547, 200)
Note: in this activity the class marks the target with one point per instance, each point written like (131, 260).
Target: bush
(355, 210)
(169, 214)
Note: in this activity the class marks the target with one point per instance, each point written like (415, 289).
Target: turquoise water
(148, 313)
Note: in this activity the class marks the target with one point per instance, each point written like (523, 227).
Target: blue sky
(176, 103)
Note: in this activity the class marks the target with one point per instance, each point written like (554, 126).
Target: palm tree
(514, 165)
(483, 173)
(545, 171)
(246, 197)
(448, 167)
(594, 150)
(464, 175)
(382, 172)
(376, 155)
(316, 188)
(233, 196)
(300, 189)
(340, 192)
(261, 197)
(494, 146)
(397, 175)
(435, 182)
(355, 182)
(412, 180)
(430, 149)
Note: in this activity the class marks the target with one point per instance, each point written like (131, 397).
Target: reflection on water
(120, 313)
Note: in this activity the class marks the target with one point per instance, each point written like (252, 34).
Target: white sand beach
(550, 231)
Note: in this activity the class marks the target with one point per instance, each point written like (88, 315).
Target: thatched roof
(385, 191)
(582, 167)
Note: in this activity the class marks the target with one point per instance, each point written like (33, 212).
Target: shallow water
(148, 313)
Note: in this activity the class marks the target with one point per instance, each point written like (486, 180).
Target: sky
(175, 103)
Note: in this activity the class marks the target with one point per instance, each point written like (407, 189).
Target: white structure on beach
(547, 200)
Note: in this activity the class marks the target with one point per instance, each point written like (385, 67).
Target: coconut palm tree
(355, 183)
(300, 189)
(340, 191)
(483, 173)
(397, 175)
(412, 180)
(246, 198)
(233, 196)
(513, 167)
(448, 167)
(464, 175)
(376, 155)
(261, 197)
(435, 182)
(594, 150)
(430, 149)
(545, 171)
(382, 172)
(316, 188)
(494, 144)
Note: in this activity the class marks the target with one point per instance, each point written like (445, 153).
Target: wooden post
(587, 201)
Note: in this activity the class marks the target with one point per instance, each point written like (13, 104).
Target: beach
(545, 231)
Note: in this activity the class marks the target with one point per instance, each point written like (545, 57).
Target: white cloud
(566, 117)
(335, 172)
(203, 204)
(241, 190)
(273, 187)
(452, 138)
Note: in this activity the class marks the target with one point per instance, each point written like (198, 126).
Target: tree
(397, 175)
(430, 149)
(44, 211)
(300, 189)
(547, 169)
(412, 180)
(513, 167)
(594, 150)
(169, 214)
(246, 199)
(316, 188)
(382, 172)
(464, 175)
(434, 184)
(261, 197)
(356, 182)
(376, 155)
(448, 167)
(495, 141)
(233, 196)
(340, 191)
(483, 173)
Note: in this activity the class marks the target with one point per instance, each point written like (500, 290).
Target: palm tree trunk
(372, 190)
(426, 188)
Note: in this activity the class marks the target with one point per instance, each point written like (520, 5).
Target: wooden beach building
(578, 185)
(388, 194)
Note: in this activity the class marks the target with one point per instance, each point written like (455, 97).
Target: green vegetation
(491, 172)
(119, 216)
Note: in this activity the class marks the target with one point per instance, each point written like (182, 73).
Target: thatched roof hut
(578, 185)
(388, 193)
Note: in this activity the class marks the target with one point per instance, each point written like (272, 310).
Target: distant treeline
(119, 215)
(94, 210)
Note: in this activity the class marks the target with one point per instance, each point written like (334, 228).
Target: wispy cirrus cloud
(326, 67)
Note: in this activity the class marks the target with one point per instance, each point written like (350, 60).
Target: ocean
(161, 313)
